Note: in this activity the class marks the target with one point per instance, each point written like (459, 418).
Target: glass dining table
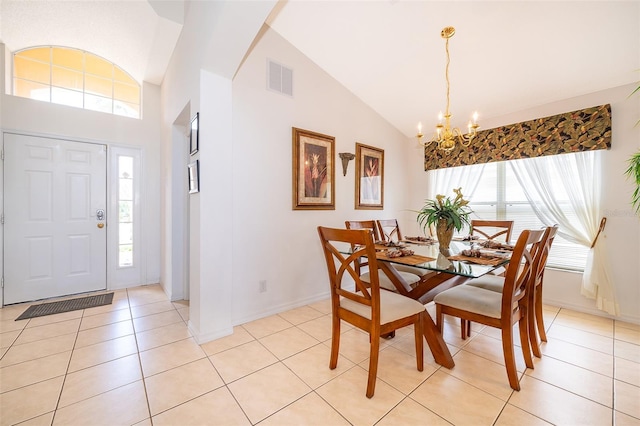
(443, 269)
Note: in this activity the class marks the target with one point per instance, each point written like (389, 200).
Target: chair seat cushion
(393, 306)
(385, 282)
(488, 282)
(472, 299)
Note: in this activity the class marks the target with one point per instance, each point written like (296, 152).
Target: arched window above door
(74, 77)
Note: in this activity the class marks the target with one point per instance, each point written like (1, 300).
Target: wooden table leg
(436, 343)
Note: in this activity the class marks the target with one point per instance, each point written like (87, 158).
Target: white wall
(271, 241)
(623, 227)
(45, 119)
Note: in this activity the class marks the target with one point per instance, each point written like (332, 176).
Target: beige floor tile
(312, 365)
(50, 319)
(156, 321)
(408, 413)
(590, 385)
(627, 399)
(589, 359)
(322, 306)
(124, 405)
(299, 315)
(104, 333)
(162, 336)
(320, 328)
(181, 384)
(585, 322)
(627, 351)
(43, 420)
(145, 297)
(288, 342)
(628, 371)
(32, 334)
(145, 422)
(347, 394)
(514, 416)
(400, 370)
(184, 314)
(472, 407)
(623, 324)
(109, 350)
(239, 337)
(105, 318)
(628, 335)
(268, 390)
(621, 419)
(10, 313)
(37, 349)
(266, 326)
(214, 408)
(482, 373)
(581, 338)
(170, 356)
(558, 406)
(151, 308)
(355, 346)
(30, 401)
(7, 338)
(242, 360)
(310, 410)
(407, 344)
(101, 378)
(30, 372)
(12, 325)
(491, 349)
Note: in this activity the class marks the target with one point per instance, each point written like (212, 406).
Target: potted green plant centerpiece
(633, 172)
(446, 215)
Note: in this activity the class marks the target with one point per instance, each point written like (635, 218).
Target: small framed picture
(313, 171)
(194, 177)
(194, 135)
(369, 178)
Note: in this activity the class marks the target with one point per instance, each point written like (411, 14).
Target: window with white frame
(499, 196)
(77, 78)
(125, 202)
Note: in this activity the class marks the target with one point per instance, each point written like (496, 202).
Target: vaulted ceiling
(505, 56)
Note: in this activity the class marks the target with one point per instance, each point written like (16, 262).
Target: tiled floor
(134, 363)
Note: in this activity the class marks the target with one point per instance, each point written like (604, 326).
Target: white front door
(55, 197)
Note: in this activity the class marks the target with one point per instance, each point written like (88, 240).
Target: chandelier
(446, 137)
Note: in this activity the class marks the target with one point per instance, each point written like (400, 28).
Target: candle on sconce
(475, 117)
(440, 117)
(420, 128)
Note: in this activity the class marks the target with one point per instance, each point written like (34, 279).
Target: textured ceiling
(506, 56)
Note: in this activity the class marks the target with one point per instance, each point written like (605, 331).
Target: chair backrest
(364, 224)
(488, 228)
(341, 266)
(517, 280)
(387, 228)
(542, 254)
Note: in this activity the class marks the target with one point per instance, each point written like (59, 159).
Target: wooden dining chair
(540, 254)
(409, 277)
(490, 229)
(498, 309)
(388, 229)
(365, 305)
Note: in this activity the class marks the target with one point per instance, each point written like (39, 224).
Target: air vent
(279, 78)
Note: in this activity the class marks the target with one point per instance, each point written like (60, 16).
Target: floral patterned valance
(583, 130)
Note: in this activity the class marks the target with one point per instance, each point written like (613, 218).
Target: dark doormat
(66, 306)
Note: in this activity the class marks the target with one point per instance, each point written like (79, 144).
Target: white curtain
(443, 181)
(556, 196)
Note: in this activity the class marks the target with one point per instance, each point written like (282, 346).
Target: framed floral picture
(369, 177)
(194, 135)
(194, 176)
(313, 171)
